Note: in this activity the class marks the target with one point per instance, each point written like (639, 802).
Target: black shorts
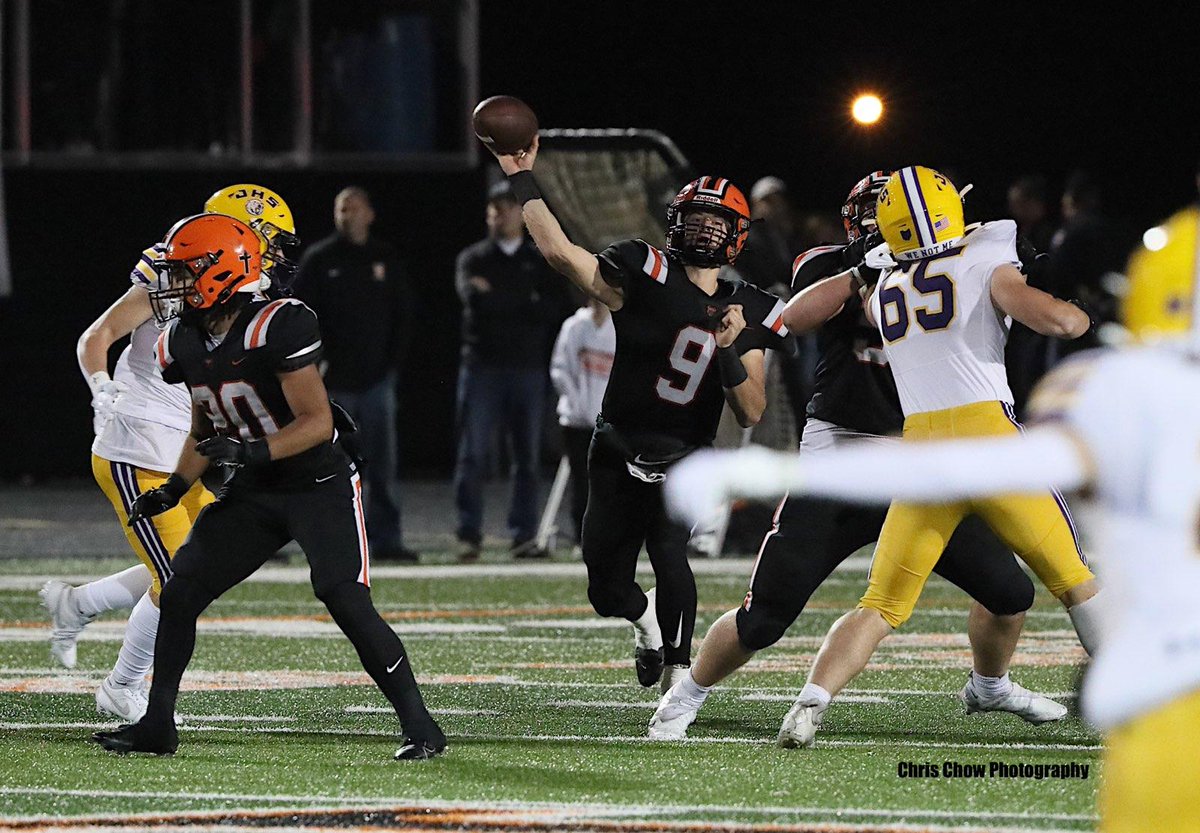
(236, 534)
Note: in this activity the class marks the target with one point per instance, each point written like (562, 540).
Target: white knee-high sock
(116, 592)
(1091, 619)
(137, 651)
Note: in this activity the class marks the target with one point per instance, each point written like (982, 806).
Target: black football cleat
(140, 737)
(419, 750)
(648, 662)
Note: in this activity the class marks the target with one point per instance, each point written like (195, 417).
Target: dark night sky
(748, 88)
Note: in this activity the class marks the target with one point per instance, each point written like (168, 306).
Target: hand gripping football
(505, 124)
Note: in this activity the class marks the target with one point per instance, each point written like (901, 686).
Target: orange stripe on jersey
(160, 349)
(656, 264)
(256, 333)
(805, 257)
(774, 320)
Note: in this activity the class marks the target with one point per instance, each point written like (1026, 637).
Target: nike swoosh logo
(395, 665)
(638, 460)
(323, 479)
(238, 361)
(674, 643)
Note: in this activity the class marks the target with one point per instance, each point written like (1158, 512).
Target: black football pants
(811, 537)
(622, 513)
(234, 536)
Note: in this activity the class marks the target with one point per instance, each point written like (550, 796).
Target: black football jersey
(236, 382)
(854, 387)
(664, 377)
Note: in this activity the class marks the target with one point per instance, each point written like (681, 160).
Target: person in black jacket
(355, 283)
(510, 312)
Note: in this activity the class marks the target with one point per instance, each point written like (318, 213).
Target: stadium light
(867, 108)
(1155, 238)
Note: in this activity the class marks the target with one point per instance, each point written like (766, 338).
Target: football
(505, 124)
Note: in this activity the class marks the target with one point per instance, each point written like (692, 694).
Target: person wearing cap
(354, 281)
(511, 309)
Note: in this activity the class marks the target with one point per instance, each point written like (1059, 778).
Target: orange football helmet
(207, 259)
(697, 243)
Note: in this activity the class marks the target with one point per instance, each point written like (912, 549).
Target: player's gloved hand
(231, 451)
(1087, 310)
(159, 499)
(105, 393)
(853, 257)
(1035, 265)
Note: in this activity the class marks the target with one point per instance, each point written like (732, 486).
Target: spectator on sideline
(583, 358)
(509, 297)
(1029, 206)
(362, 297)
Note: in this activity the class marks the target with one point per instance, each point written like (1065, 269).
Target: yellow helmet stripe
(917, 208)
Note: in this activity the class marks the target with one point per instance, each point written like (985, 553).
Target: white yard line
(745, 741)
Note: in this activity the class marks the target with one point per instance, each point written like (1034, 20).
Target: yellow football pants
(156, 539)
(1038, 528)
(1151, 771)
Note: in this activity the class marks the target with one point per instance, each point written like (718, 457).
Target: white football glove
(105, 393)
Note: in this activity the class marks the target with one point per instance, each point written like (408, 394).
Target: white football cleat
(672, 717)
(1025, 704)
(672, 674)
(127, 702)
(67, 622)
(800, 725)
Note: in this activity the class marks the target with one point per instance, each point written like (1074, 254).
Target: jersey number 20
(893, 303)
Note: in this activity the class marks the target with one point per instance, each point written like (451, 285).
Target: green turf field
(546, 721)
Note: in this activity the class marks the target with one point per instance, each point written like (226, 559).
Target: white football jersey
(943, 336)
(151, 418)
(1135, 411)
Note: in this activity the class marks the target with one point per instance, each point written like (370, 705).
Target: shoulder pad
(997, 231)
(143, 273)
(258, 326)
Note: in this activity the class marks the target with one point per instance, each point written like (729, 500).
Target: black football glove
(230, 451)
(853, 259)
(1035, 265)
(1087, 310)
(159, 499)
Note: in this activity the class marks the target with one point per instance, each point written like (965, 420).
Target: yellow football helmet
(1161, 299)
(919, 213)
(265, 212)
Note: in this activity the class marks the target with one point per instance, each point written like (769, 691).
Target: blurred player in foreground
(675, 319)
(855, 402)
(1122, 425)
(140, 423)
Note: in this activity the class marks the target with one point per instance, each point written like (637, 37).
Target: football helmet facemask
(919, 213)
(858, 212)
(207, 259)
(269, 216)
(708, 222)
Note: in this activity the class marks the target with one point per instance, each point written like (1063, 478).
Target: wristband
(97, 379)
(257, 452)
(733, 372)
(524, 186)
(176, 486)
